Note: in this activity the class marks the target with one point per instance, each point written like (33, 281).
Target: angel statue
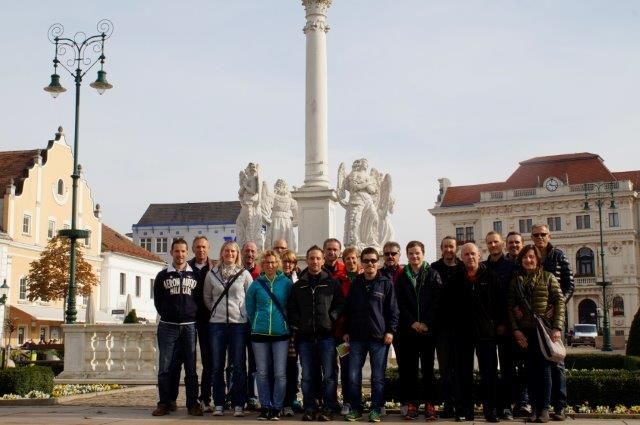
(366, 221)
(280, 213)
(249, 221)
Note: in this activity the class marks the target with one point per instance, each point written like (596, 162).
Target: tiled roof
(16, 165)
(113, 241)
(575, 168)
(191, 213)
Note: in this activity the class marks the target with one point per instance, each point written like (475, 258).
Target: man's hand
(517, 312)
(520, 339)
(388, 338)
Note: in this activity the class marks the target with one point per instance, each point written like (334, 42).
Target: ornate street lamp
(600, 192)
(4, 292)
(79, 51)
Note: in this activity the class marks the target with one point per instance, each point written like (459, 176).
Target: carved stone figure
(280, 213)
(366, 220)
(249, 221)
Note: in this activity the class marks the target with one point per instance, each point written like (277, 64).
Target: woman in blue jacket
(266, 304)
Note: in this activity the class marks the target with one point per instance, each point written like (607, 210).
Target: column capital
(316, 7)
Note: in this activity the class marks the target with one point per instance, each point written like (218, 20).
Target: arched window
(587, 311)
(618, 306)
(60, 187)
(584, 260)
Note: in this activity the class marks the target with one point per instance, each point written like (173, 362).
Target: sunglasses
(390, 254)
(369, 261)
(539, 235)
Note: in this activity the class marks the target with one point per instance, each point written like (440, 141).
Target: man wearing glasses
(555, 262)
(392, 267)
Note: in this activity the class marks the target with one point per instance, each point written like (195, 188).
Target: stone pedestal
(317, 216)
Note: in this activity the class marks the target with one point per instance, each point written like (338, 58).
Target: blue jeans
(206, 359)
(539, 374)
(377, 359)
(271, 372)
(228, 338)
(321, 353)
(175, 343)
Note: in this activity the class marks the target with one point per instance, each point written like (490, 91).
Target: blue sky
(423, 89)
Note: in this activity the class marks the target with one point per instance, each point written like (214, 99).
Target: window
(460, 234)
(60, 187)
(22, 333)
(583, 222)
(554, 224)
(468, 234)
(123, 284)
(146, 243)
(584, 259)
(525, 225)
(614, 219)
(464, 234)
(87, 240)
(43, 333)
(618, 306)
(23, 289)
(51, 230)
(161, 244)
(497, 227)
(619, 332)
(26, 224)
(138, 286)
(151, 282)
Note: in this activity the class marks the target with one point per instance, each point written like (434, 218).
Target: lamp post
(599, 192)
(4, 291)
(83, 53)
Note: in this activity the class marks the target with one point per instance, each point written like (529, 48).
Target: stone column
(316, 200)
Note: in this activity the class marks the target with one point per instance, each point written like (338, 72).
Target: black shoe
(491, 417)
(447, 413)
(559, 416)
(506, 415)
(460, 418)
(309, 416)
(274, 415)
(325, 416)
(264, 415)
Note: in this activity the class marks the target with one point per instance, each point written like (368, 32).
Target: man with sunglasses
(555, 262)
(392, 267)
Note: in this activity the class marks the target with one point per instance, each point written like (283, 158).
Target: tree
(10, 326)
(633, 343)
(132, 317)
(48, 278)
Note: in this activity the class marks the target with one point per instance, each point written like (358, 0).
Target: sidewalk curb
(62, 400)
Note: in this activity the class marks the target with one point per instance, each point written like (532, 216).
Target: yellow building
(35, 204)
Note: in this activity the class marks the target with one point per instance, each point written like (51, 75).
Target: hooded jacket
(265, 318)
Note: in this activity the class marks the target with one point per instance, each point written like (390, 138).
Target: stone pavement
(134, 406)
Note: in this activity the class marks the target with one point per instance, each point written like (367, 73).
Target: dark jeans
(251, 370)
(271, 372)
(293, 375)
(488, 365)
(520, 379)
(175, 342)
(506, 388)
(558, 386)
(416, 348)
(540, 372)
(313, 354)
(206, 359)
(446, 364)
(344, 377)
(377, 351)
(228, 338)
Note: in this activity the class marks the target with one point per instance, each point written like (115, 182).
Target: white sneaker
(238, 412)
(346, 409)
(403, 410)
(218, 411)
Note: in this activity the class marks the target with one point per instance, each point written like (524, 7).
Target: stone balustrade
(110, 353)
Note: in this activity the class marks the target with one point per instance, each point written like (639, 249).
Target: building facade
(551, 190)
(162, 223)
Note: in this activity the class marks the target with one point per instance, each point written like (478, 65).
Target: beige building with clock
(551, 190)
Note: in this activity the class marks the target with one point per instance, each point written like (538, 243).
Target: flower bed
(64, 390)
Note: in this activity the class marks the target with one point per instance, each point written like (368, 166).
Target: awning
(55, 314)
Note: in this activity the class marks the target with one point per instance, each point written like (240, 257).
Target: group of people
(258, 322)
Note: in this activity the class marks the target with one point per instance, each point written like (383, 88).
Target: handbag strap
(273, 298)
(225, 291)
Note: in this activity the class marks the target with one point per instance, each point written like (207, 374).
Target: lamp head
(55, 88)
(4, 290)
(101, 84)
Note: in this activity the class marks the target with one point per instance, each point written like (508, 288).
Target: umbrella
(90, 318)
(129, 305)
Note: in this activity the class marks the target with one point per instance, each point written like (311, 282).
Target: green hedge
(21, 380)
(601, 361)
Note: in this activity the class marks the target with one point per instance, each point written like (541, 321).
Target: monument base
(316, 216)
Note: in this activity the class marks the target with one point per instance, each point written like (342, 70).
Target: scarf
(227, 271)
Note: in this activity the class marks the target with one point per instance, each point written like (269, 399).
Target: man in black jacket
(475, 323)
(314, 305)
(174, 296)
(418, 291)
(555, 262)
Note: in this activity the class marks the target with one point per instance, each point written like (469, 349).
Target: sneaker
(264, 415)
(411, 412)
(560, 416)
(195, 410)
(238, 412)
(309, 416)
(325, 416)
(460, 418)
(287, 412)
(252, 403)
(173, 406)
(375, 415)
(447, 412)
(218, 411)
(403, 409)
(491, 417)
(430, 412)
(506, 415)
(274, 415)
(297, 406)
(161, 410)
(522, 411)
(346, 408)
(352, 416)
(206, 407)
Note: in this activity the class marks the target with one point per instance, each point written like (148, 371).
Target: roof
(190, 213)
(574, 168)
(15, 165)
(113, 241)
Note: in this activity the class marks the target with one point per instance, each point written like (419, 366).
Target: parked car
(584, 334)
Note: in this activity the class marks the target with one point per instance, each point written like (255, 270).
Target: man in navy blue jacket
(371, 314)
(174, 296)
